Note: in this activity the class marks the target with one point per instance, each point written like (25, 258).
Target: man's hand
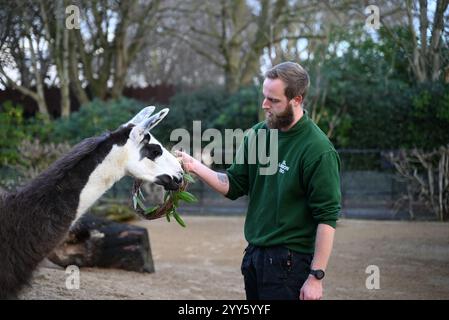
(189, 163)
(312, 289)
(218, 181)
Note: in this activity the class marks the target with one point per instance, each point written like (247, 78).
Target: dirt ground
(202, 261)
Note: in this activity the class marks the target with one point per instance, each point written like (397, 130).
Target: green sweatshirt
(285, 208)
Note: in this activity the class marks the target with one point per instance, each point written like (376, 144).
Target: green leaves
(176, 197)
(134, 201)
(186, 196)
(140, 202)
(151, 210)
(189, 178)
(171, 202)
(178, 218)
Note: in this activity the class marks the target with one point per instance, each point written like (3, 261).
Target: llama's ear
(154, 119)
(137, 133)
(141, 116)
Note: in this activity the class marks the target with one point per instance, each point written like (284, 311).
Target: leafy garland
(170, 205)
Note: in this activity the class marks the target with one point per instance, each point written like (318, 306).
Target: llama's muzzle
(168, 182)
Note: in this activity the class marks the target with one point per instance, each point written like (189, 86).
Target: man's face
(278, 110)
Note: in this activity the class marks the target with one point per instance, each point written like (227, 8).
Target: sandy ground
(202, 261)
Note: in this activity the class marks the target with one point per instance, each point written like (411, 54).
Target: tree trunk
(98, 242)
(40, 98)
(435, 42)
(42, 107)
(232, 68)
(57, 37)
(64, 73)
(425, 60)
(120, 68)
(231, 81)
(75, 82)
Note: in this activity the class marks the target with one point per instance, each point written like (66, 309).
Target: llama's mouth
(169, 183)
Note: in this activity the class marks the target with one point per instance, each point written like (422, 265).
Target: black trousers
(274, 273)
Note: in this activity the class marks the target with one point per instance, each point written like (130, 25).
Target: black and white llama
(35, 219)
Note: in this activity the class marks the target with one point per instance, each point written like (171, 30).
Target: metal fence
(369, 189)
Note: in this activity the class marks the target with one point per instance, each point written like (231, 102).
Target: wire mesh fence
(369, 187)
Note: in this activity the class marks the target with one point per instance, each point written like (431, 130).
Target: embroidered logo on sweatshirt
(283, 167)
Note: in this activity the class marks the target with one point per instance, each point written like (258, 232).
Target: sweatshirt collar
(297, 128)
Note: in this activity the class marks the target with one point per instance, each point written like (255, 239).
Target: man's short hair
(294, 76)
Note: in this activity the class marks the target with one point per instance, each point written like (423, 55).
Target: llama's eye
(151, 151)
(146, 139)
(155, 153)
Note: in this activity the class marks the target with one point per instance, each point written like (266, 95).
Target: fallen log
(98, 242)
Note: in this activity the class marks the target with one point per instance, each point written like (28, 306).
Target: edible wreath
(170, 205)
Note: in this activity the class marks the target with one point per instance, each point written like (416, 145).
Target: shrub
(214, 108)
(94, 118)
(12, 132)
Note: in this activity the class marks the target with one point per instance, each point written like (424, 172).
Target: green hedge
(380, 115)
(94, 118)
(214, 108)
(384, 107)
(13, 130)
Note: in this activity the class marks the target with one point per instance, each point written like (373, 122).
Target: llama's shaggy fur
(35, 219)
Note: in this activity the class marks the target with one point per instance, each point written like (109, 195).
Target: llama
(36, 218)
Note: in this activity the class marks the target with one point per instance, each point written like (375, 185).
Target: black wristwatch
(319, 274)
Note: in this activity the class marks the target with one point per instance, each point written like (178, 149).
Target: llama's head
(148, 160)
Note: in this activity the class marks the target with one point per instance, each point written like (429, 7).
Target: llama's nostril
(177, 180)
(168, 182)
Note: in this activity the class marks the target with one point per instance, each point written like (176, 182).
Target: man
(292, 214)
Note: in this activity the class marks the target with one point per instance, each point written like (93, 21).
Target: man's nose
(266, 104)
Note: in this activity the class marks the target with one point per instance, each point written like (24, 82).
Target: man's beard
(281, 120)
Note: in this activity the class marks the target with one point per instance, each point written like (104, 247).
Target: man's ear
(297, 100)
(141, 116)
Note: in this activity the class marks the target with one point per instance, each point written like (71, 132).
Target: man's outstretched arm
(216, 180)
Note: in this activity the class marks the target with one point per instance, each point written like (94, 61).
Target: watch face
(319, 274)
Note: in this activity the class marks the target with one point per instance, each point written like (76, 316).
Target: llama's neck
(108, 172)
